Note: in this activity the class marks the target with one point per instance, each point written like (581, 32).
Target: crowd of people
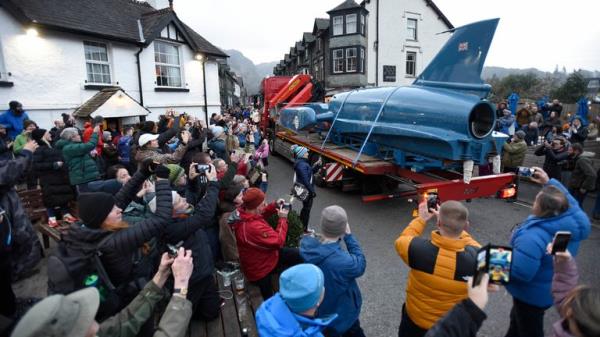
(153, 209)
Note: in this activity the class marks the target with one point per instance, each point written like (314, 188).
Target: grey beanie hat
(333, 221)
(520, 134)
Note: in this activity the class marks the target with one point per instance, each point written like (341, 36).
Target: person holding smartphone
(554, 209)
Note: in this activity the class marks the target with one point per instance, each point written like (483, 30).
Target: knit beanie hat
(176, 172)
(216, 131)
(333, 221)
(94, 208)
(298, 151)
(301, 287)
(253, 197)
(520, 134)
(37, 134)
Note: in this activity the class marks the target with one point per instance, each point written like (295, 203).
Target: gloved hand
(162, 172)
(148, 166)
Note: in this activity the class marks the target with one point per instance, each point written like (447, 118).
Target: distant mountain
(251, 73)
(499, 72)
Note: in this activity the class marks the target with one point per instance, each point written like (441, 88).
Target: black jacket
(464, 320)
(191, 231)
(583, 175)
(54, 179)
(554, 161)
(121, 250)
(6, 153)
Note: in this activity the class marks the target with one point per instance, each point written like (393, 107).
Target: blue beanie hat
(301, 287)
(299, 151)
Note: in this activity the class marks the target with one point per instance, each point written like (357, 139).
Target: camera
(172, 250)
(202, 168)
(286, 205)
(432, 201)
(525, 171)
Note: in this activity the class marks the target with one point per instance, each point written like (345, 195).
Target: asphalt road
(377, 225)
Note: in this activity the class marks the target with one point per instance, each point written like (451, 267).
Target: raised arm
(128, 191)
(203, 215)
(164, 137)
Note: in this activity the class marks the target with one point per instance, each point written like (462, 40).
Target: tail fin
(459, 63)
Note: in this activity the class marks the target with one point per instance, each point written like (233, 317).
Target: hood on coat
(313, 251)
(572, 220)
(80, 237)
(274, 318)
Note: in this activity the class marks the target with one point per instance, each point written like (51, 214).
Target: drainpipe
(139, 73)
(377, 43)
(205, 99)
(137, 59)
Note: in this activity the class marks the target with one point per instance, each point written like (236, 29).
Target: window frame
(415, 30)
(414, 64)
(348, 62)
(341, 25)
(162, 64)
(107, 63)
(341, 61)
(362, 25)
(361, 60)
(348, 24)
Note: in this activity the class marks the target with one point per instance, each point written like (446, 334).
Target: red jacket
(88, 130)
(259, 244)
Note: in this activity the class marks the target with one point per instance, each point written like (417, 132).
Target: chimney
(160, 4)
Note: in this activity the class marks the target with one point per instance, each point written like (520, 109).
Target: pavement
(377, 225)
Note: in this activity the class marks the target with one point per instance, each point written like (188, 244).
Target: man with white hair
(82, 167)
(59, 125)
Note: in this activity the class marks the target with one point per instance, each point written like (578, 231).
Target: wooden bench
(35, 210)
(237, 314)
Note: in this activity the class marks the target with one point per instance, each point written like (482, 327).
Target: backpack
(74, 268)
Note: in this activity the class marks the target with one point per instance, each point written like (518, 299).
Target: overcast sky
(540, 34)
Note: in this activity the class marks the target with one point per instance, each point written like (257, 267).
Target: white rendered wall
(393, 43)
(49, 73)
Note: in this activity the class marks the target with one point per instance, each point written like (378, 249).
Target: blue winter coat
(505, 122)
(274, 319)
(340, 268)
(304, 174)
(14, 124)
(124, 149)
(532, 268)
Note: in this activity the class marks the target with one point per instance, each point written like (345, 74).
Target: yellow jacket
(437, 270)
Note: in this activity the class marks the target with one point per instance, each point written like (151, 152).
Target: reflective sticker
(463, 46)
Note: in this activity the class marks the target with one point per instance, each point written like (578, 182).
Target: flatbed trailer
(382, 179)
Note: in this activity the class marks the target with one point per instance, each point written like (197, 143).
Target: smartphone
(433, 201)
(525, 171)
(202, 168)
(496, 261)
(173, 250)
(560, 241)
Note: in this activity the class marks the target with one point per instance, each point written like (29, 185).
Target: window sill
(97, 86)
(6, 84)
(410, 76)
(159, 89)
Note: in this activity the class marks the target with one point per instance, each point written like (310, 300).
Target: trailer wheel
(371, 185)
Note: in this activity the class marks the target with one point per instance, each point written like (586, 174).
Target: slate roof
(299, 46)
(321, 24)
(96, 101)
(110, 19)
(441, 15)
(307, 38)
(348, 4)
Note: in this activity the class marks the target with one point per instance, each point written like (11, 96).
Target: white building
(52, 59)
(403, 38)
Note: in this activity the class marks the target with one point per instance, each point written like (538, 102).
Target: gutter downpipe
(205, 99)
(137, 58)
(377, 44)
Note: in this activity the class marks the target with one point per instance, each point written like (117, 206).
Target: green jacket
(82, 167)
(20, 141)
(583, 175)
(127, 323)
(513, 153)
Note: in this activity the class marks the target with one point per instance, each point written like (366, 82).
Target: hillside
(251, 73)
